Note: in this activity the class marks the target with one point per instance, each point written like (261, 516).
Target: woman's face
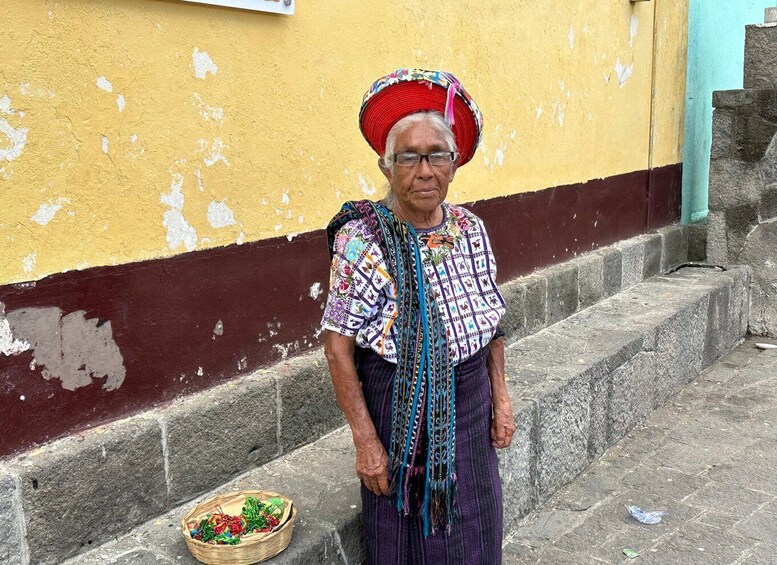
(420, 189)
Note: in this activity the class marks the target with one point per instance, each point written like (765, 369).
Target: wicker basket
(252, 548)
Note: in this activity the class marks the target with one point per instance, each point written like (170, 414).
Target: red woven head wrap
(407, 91)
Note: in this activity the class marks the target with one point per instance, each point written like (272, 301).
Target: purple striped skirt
(476, 537)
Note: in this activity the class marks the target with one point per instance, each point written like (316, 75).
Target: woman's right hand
(372, 465)
(371, 457)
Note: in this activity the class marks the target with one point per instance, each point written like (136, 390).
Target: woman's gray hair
(431, 117)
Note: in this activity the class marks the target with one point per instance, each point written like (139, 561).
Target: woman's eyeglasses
(436, 159)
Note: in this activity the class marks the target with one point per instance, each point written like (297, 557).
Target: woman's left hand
(502, 424)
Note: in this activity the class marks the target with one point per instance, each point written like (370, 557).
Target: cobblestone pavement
(708, 458)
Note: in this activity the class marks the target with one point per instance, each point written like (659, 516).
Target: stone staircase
(595, 345)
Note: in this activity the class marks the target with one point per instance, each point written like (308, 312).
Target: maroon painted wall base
(163, 312)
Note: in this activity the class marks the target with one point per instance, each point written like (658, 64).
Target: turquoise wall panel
(716, 40)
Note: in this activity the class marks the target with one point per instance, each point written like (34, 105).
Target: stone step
(761, 56)
(84, 490)
(318, 477)
(577, 387)
(706, 458)
(582, 384)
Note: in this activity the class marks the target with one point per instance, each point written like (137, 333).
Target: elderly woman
(412, 341)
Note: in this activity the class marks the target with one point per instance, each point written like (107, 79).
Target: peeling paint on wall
(218, 329)
(9, 345)
(633, 29)
(220, 215)
(105, 143)
(284, 349)
(367, 188)
(499, 157)
(70, 348)
(46, 212)
(179, 231)
(17, 137)
(623, 71)
(104, 84)
(559, 112)
(203, 64)
(26, 90)
(315, 291)
(216, 152)
(198, 174)
(5, 105)
(207, 111)
(121, 102)
(28, 262)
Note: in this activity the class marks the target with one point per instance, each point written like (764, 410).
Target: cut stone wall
(742, 223)
(760, 56)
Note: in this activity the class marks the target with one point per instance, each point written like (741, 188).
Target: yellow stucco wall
(135, 129)
(670, 60)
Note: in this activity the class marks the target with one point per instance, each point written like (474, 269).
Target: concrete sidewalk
(708, 458)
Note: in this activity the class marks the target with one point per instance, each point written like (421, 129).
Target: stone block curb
(697, 242)
(651, 257)
(588, 380)
(590, 278)
(536, 305)
(242, 414)
(632, 261)
(554, 293)
(612, 271)
(14, 550)
(123, 473)
(308, 408)
(674, 249)
(562, 291)
(513, 321)
(576, 387)
(743, 176)
(81, 491)
(318, 477)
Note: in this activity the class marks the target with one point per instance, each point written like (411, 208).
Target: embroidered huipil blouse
(459, 264)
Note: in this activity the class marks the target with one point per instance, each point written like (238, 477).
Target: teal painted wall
(716, 40)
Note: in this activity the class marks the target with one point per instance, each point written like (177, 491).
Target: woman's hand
(372, 466)
(502, 424)
(371, 456)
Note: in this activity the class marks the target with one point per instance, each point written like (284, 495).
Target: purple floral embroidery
(337, 313)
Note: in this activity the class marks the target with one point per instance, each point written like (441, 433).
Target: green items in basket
(262, 516)
(219, 528)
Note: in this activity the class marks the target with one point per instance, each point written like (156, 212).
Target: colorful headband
(407, 91)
